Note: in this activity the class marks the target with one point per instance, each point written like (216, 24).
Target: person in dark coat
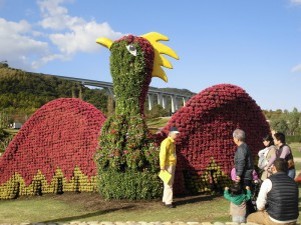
(243, 163)
(242, 159)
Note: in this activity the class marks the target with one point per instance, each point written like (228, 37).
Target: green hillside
(22, 93)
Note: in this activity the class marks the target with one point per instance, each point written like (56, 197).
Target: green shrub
(130, 184)
(157, 111)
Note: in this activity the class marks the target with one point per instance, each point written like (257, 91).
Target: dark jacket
(243, 162)
(282, 199)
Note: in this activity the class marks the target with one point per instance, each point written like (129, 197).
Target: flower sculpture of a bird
(125, 146)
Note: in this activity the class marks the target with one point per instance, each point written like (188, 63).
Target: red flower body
(62, 134)
(205, 144)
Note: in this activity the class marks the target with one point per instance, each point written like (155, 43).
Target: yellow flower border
(16, 186)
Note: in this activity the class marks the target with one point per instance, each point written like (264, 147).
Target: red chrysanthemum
(62, 134)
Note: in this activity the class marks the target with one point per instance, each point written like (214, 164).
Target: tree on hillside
(293, 121)
(157, 111)
(279, 125)
(3, 119)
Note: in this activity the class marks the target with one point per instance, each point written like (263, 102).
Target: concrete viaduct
(154, 96)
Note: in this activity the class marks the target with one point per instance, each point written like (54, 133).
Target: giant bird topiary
(127, 158)
(54, 150)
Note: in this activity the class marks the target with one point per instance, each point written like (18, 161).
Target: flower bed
(53, 151)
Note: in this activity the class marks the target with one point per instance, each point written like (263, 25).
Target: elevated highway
(168, 100)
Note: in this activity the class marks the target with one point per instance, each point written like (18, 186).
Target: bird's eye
(132, 49)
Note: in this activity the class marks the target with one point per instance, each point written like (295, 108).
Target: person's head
(239, 136)
(280, 165)
(279, 138)
(268, 140)
(173, 132)
(236, 189)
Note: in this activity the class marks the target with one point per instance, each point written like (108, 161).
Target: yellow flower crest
(159, 49)
(160, 60)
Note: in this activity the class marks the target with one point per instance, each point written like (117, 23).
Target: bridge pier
(161, 99)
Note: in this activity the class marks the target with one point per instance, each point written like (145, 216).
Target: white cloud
(47, 58)
(296, 68)
(296, 2)
(21, 27)
(79, 35)
(56, 17)
(16, 45)
(58, 36)
(81, 38)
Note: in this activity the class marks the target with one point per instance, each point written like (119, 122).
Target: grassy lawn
(33, 210)
(296, 148)
(89, 207)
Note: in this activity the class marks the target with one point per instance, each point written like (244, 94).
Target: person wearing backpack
(267, 156)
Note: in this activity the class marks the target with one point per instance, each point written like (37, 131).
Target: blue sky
(255, 44)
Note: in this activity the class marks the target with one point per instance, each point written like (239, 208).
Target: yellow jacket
(168, 156)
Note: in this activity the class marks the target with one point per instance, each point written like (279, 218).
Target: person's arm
(162, 155)
(227, 194)
(271, 161)
(248, 195)
(285, 152)
(240, 161)
(261, 201)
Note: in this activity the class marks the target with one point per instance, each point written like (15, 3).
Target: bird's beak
(105, 42)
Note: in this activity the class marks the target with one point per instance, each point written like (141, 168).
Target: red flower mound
(62, 134)
(205, 145)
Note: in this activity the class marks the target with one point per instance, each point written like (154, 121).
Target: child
(237, 199)
(256, 183)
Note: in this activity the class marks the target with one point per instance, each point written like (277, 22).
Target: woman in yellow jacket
(168, 162)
